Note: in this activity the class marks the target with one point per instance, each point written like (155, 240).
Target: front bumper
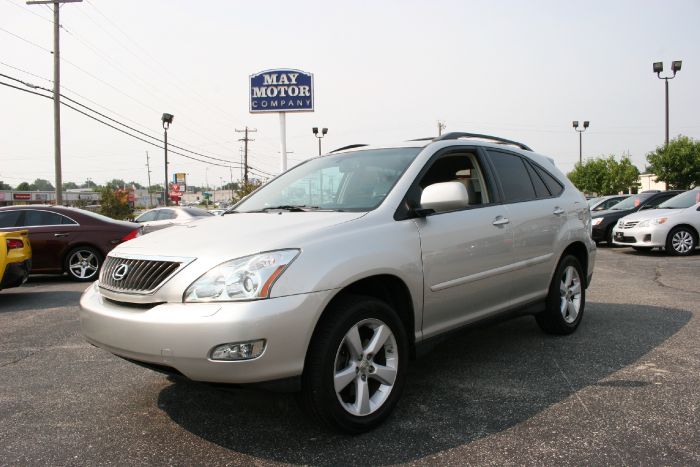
(651, 236)
(182, 335)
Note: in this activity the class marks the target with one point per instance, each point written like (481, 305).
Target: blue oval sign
(282, 90)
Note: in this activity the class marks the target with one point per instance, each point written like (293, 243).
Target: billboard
(282, 90)
(180, 180)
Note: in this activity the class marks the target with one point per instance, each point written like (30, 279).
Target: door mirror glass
(446, 196)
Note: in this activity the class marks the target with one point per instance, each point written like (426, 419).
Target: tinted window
(9, 219)
(631, 202)
(36, 218)
(658, 200)
(194, 212)
(514, 177)
(554, 186)
(165, 214)
(540, 188)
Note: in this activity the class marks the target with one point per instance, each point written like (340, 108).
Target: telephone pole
(441, 126)
(150, 195)
(56, 92)
(245, 139)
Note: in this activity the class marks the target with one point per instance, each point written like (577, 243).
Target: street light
(658, 68)
(167, 120)
(323, 133)
(580, 139)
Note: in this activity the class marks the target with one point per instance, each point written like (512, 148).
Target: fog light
(238, 351)
(647, 238)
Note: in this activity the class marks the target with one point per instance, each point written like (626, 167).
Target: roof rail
(429, 138)
(352, 146)
(457, 135)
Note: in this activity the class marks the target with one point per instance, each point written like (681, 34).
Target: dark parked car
(67, 239)
(604, 221)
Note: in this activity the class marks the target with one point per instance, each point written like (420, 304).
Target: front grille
(133, 275)
(628, 224)
(627, 240)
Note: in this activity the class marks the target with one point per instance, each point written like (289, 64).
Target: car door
(537, 214)
(465, 252)
(50, 234)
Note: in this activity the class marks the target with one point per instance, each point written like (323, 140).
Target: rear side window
(540, 188)
(39, 218)
(9, 219)
(514, 177)
(553, 185)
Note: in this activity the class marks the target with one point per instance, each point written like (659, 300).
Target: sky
(384, 71)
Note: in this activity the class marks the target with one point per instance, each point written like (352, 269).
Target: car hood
(652, 214)
(220, 238)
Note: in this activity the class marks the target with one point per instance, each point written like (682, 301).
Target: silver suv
(335, 274)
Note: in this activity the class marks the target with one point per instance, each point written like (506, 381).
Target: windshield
(356, 181)
(682, 201)
(593, 201)
(631, 202)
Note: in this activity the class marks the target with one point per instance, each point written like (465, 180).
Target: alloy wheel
(570, 294)
(83, 264)
(366, 366)
(682, 241)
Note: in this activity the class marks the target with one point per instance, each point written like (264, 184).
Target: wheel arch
(388, 288)
(692, 229)
(579, 251)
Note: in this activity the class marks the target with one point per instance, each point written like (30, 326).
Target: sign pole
(283, 141)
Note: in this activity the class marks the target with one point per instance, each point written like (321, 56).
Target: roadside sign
(22, 196)
(282, 90)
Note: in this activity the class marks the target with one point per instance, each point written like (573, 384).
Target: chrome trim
(159, 265)
(491, 272)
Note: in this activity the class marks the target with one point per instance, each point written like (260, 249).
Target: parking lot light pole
(580, 139)
(167, 120)
(323, 133)
(658, 68)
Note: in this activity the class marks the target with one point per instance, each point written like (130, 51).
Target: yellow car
(15, 258)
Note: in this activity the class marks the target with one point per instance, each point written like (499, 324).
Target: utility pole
(150, 195)
(441, 126)
(56, 92)
(245, 139)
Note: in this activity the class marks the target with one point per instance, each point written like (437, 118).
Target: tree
(230, 186)
(24, 186)
(70, 186)
(89, 184)
(136, 185)
(4, 186)
(677, 164)
(246, 188)
(41, 185)
(115, 203)
(605, 175)
(116, 183)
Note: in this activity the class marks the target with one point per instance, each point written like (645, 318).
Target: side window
(540, 188)
(9, 219)
(67, 221)
(166, 214)
(555, 187)
(39, 218)
(515, 180)
(147, 216)
(462, 168)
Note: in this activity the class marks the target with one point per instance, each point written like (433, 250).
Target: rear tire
(356, 365)
(566, 299)
(83, 264)
(681, 241)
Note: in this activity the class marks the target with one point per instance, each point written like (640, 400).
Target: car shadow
(477, 383)
(24, 298)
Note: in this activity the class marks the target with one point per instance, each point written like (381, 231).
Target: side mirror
(446, 196)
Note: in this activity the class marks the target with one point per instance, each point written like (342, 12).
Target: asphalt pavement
(623, 390)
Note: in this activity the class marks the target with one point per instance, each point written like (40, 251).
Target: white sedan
(673, 225)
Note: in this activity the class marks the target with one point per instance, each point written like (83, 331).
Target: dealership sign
(282, 90)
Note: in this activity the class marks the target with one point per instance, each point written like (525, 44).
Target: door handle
(60, 235)
(500, 220)
(558, 211)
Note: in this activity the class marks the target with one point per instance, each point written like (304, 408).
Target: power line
(228, 163)
(25, 40)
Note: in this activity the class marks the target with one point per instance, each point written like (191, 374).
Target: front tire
(681, 241)
(566, 299)
(83, 264)
(356, 365)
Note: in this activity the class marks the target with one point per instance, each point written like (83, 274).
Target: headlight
(657, 221)
(248, 278)
(643, 223)
(598, 220)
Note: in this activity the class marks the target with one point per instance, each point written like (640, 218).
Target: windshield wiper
(289, 207)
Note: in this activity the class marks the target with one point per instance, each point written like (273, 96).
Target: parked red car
(68, 240)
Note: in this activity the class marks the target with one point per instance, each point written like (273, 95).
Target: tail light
(132, 235)
(14, 243)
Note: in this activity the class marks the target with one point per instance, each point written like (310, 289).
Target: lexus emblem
(121, 272)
